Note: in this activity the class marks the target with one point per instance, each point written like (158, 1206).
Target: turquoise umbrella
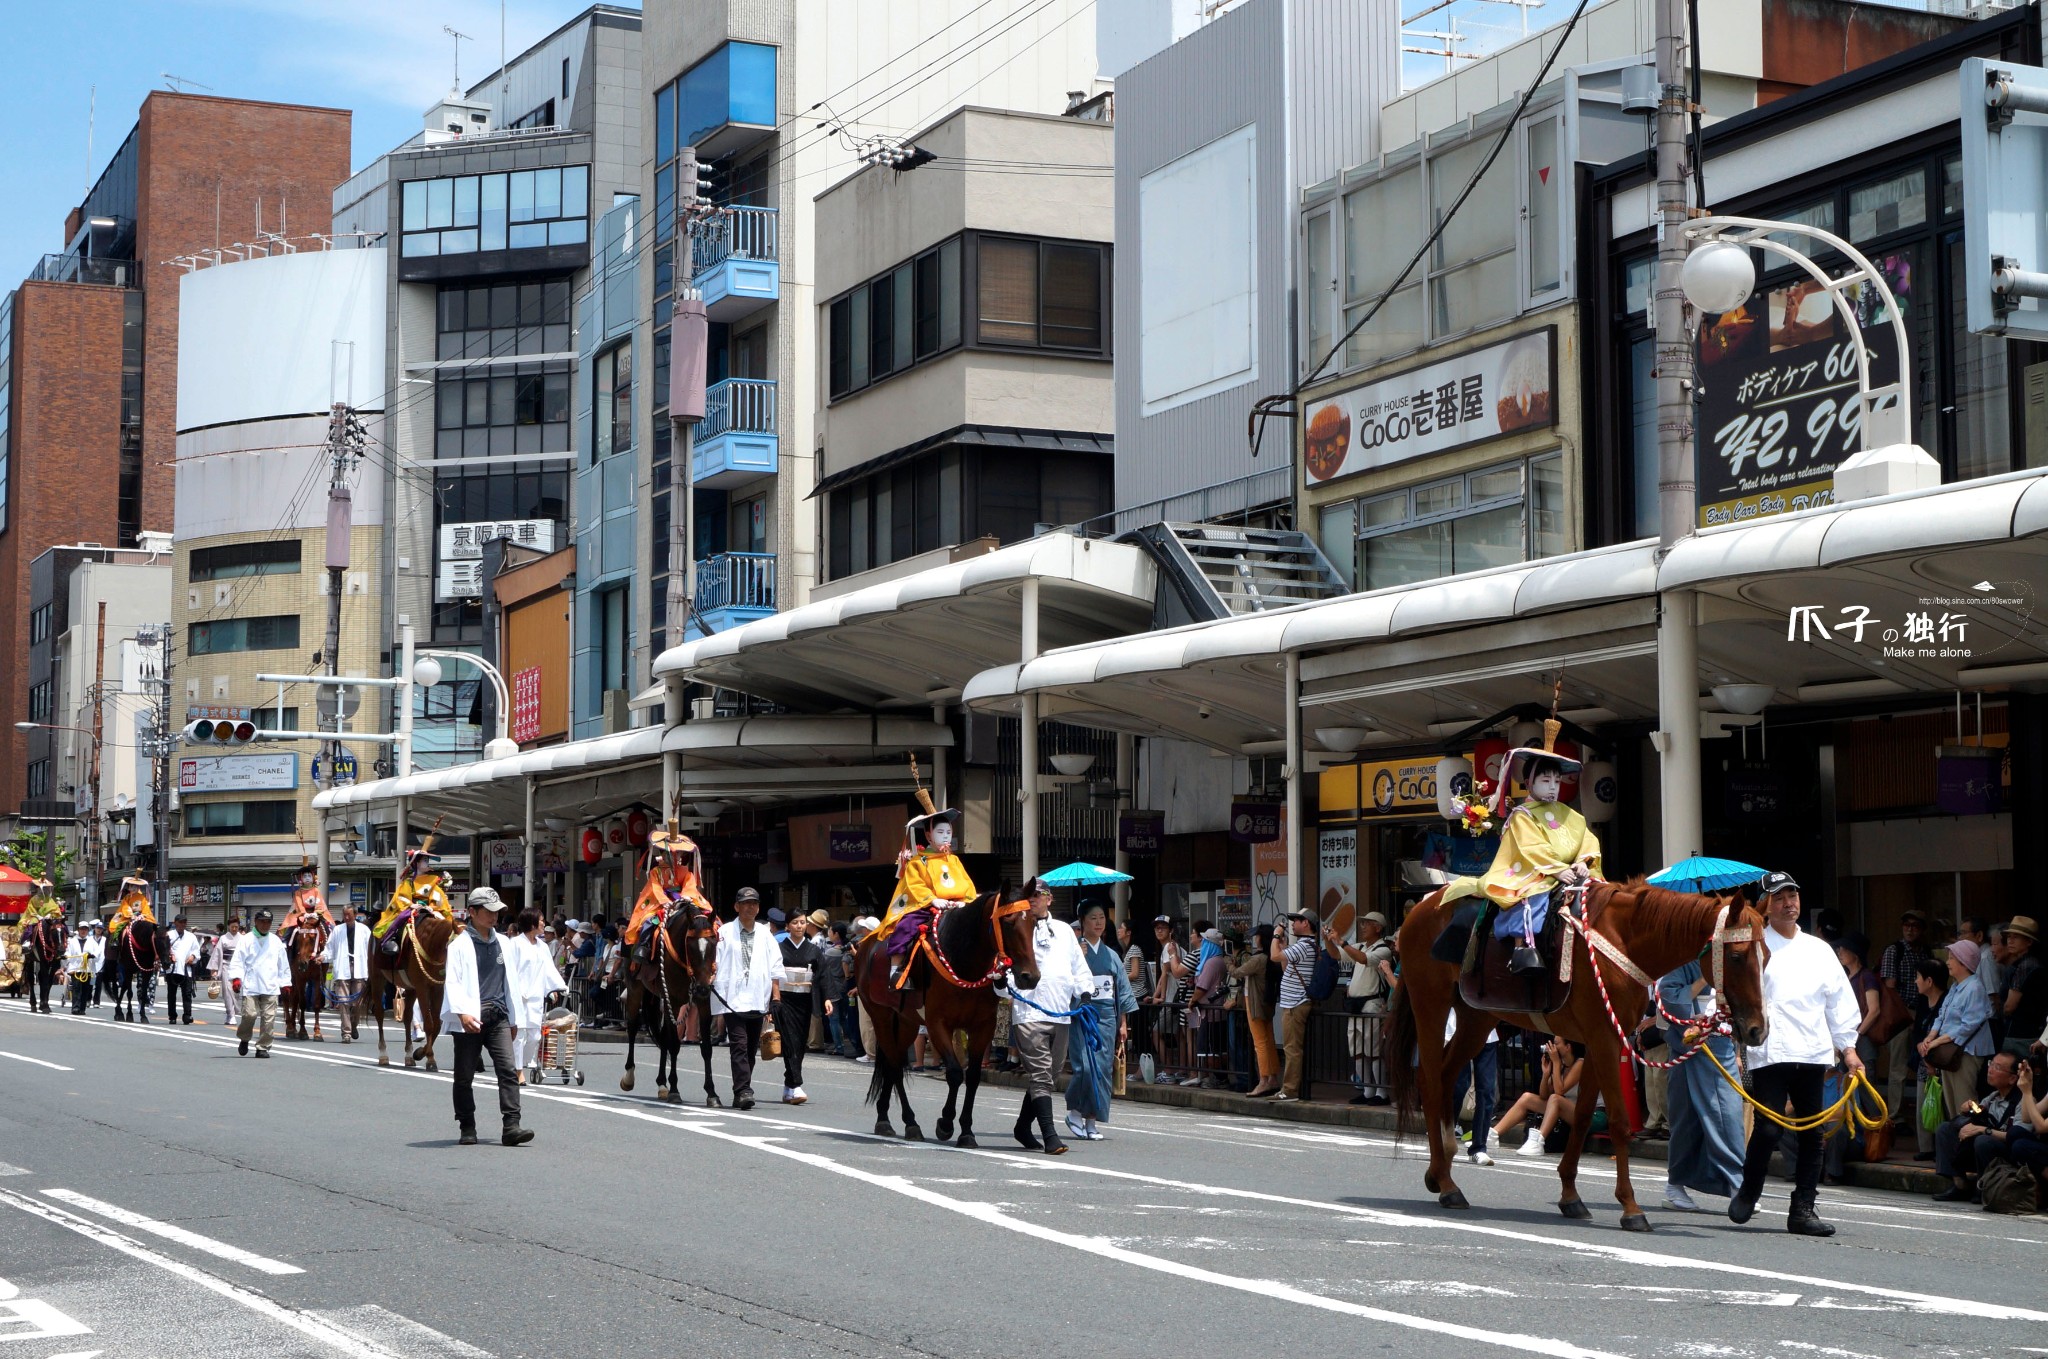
(1706, 875)
(1083, 875)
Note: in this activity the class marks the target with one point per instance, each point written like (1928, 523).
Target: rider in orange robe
(673, 866)
(134, 906)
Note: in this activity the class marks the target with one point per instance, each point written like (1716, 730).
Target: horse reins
(1722, 1021)
(928, 939)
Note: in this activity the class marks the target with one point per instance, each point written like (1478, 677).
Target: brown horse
(308, 991)
(418, 972)
(981, 945)
(1655, 929)
(672, 989)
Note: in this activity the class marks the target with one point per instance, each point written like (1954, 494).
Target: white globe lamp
(426, 671)
(1718, 277)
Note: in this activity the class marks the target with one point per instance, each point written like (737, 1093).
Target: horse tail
(878, 1085)
(1397, 1041)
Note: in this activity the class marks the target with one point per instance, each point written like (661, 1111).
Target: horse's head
(1742, 979)
(1013, 934)
(697, 940)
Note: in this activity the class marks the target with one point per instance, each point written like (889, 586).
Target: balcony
(733, 588)
(735, 441)
(736, 265)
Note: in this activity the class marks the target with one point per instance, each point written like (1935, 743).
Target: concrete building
(968, 386)
(747, 85)
(488, 217)
(272, 345)
(87, 405)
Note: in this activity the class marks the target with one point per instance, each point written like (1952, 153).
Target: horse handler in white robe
(533, 978)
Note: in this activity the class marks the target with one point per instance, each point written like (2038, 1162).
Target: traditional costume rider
(930, 879)
(419, 889)
(134, 906)
(42, 905)
(306, 902)
(674, 879)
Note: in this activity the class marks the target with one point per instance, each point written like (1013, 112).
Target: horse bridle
(1721, 1021)
(997, 970)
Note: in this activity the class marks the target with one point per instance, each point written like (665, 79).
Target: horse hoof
(1453, 1199)
(431, 1066)
(885, 1129)
(713, 1102)
(1429, 1181)
(410, 1064)
(945, 1130)
(1635, 1222)
(383, 1061)
(626, 1081)
(912, 1133)
(1575, 1208)
(967, 1141)
(672, 1097)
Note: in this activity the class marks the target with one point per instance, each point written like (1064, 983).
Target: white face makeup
(942, 837)
(1545, 786)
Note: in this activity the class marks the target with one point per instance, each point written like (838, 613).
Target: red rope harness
(1722, 1021)
(928, 940)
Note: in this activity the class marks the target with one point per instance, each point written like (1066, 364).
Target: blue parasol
(1089, 875)
(1706, 875)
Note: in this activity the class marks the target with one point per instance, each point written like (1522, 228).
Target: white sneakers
(1478, 1158)
(794, 1094)
(1531, 1146)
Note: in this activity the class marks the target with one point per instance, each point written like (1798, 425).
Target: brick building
(89, 341)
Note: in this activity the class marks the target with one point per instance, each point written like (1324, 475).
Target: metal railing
(736, 233)
(738, 405)
(1237, 497)
(736, 580)
(84, 269)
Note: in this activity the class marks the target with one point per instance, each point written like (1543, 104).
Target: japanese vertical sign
(526, 704)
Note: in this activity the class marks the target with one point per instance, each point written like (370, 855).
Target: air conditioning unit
(618, 713)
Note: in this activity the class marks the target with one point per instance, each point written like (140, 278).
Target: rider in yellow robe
(134, 906)
(44, 904)
(419, 889)
(1542, 842)
(930, 880)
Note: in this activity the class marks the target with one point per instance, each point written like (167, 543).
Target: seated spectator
(2025, 1140)
(1555, 1099)
(1960, 1143)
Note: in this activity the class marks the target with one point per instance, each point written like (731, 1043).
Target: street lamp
(426, 672)
(1719, 276)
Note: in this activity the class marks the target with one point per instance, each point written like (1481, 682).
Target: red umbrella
(15, 883)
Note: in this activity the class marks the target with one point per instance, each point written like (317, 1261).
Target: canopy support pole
(1027, 792)
(1293, 827)
(1678, 736)
(940, 792)
(530, 897)
(1126, 748)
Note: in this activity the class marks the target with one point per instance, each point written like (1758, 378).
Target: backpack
(2008, 1188)
(1322, 977)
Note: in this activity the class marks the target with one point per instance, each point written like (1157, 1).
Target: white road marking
(372, 1323)
(36, 1061)
(6, 1169)
(170, 1232)
(29, 1319)
(306, 1324)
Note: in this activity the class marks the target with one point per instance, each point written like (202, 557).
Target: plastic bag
(1930, 1103)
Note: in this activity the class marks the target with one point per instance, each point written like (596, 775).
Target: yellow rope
(1847, 1110)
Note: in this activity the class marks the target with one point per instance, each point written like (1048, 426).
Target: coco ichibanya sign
(1503, 389)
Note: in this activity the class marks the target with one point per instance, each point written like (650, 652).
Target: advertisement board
(270, 771)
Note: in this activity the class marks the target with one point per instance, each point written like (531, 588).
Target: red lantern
(637, 826)
(592, 844)
(1488, 756)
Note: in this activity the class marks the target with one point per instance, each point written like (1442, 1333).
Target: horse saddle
(1498, 972)
(876, 990)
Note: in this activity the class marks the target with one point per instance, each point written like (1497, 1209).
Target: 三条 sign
(1503, 389)
(458, 566)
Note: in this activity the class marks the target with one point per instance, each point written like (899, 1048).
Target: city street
(161, 1196)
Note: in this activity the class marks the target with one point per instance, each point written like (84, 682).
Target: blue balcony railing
(736, 267)
(737, 233)
(735, 588)
(738, 406)
(735, 441)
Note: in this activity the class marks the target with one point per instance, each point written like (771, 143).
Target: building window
(612, 408)
(270, 817)
(270, 557)
(513, 408)
(1382, 232)
(1497, 516)
(279, 632)
(957, 495)
(1472, 270)
(39, 624)
(615, 640)
(544, 116)
(38, 778)
(39, 702)
(516, 210)
(1006, 288)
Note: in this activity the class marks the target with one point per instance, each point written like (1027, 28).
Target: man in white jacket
(477, 1010)
(348, 958)
(178, 969)
(260, 970)
(749, 986)
(1038, 1017)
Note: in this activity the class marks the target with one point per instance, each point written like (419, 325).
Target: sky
(385, 60)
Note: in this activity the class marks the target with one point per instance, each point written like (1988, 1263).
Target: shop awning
(907, 642)
(763, 760)
(1412, 663)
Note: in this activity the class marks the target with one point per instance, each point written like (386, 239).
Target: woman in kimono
(1707, 1143)
(1093, 1063)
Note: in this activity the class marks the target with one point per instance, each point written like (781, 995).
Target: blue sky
(385, 60)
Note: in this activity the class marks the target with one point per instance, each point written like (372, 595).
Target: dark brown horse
(419, 972)
(671, 990)
(1655, 929)
(134, 959)
(42, 960)
(308, 991)
(982, 946)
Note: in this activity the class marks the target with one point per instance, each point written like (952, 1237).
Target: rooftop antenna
(178, 83)
(459, 38)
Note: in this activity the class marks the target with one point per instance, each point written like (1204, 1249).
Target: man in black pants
(182, 948)
(749, 987)
(1813, 1017)
(476, 1008)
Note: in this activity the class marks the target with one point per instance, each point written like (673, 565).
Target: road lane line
(36, 1061)
(170, 1232)
(305, 1324)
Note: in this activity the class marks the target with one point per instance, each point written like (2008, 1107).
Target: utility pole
(345, 439)
(99, 708)
(688, 337)
(1678, 737)
(160, 747)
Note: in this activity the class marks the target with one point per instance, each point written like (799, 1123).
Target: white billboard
(271, 771)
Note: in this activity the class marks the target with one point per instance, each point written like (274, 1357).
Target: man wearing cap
(1295, 956)
(260, 971)
(183, 957)
(749, 987)
(2025, 1006)
(1811, 1016)
(41, 903)
(1372, 983)
(476, 1009)
(348, 959)
(1898, 969)
(1040, 1020)
(803, 964)
(78, 968)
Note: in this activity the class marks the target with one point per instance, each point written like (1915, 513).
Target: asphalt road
(161, 1197)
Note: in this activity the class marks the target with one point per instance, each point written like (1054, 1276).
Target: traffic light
(209, 731)
(699, 179)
